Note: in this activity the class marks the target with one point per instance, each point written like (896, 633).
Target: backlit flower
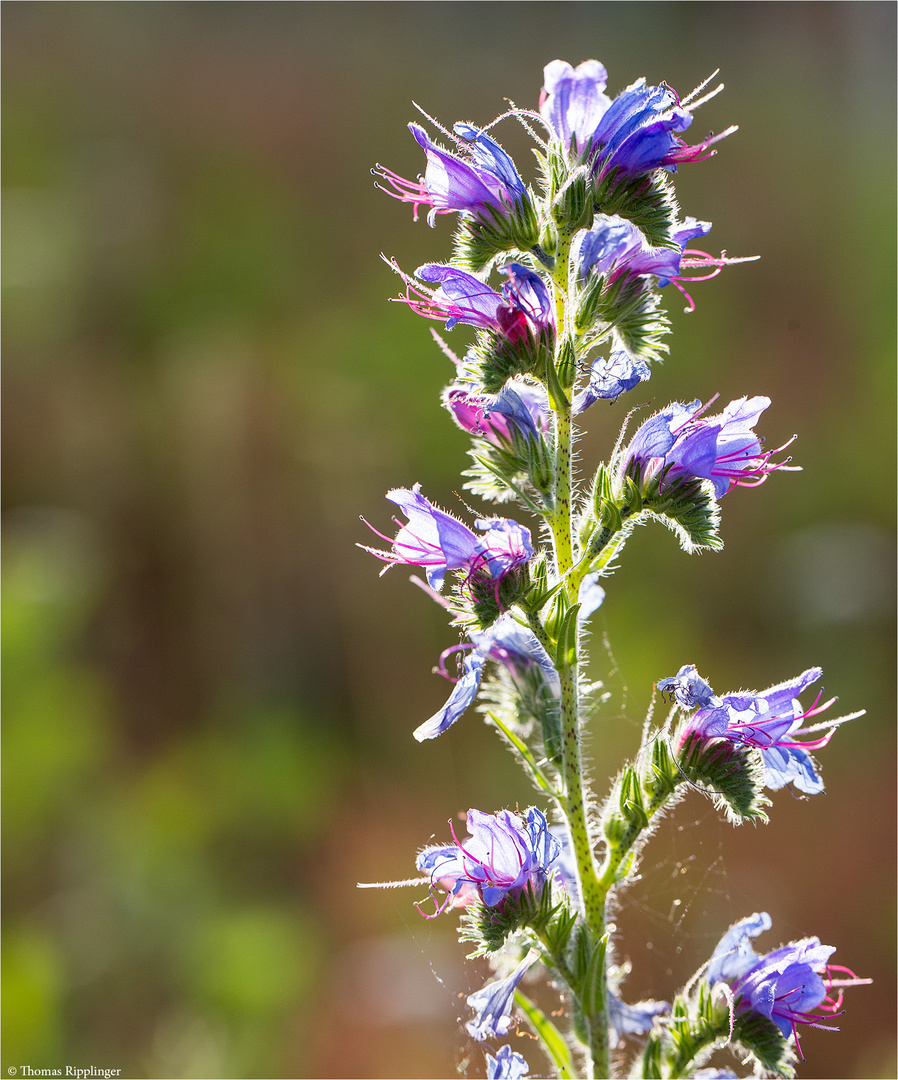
(439, 542)
(792, 985)
(770, 721)
(502, 856)
(681, 444)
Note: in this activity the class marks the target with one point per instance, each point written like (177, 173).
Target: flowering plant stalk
(576, 317)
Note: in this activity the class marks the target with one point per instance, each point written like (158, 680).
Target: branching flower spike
(556, 283)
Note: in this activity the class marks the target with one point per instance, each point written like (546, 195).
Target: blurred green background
(210, 694)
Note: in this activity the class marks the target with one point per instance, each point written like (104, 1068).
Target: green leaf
(552, 1039)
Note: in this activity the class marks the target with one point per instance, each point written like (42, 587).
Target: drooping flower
(770, 721)
(681, 444)
(502, 856)
(634, 134)
(615, 249)
(506, 1065)
(439, 542)
(493, 1003)
(488, 186)
(513, 646)
(520, 408)
(785, 986)
(633, 1019)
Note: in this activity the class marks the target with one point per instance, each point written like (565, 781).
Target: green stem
(592, 896)
(573, 802)
(615, 855)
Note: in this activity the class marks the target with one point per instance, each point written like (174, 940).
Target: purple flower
(522, 310)
(610, 379)
(680, 444)
(770, 722)
(520, 408)
(614, 247)
(786, 985)
(634, 134)
(493, 1003)
(506, 1065)
(439, 542)
(488, 186)
(501, 858)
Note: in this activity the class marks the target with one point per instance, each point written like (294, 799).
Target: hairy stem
(572, 801)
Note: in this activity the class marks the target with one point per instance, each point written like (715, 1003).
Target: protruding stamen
(392, 884)
(701, 86)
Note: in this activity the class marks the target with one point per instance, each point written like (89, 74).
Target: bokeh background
(210, 694)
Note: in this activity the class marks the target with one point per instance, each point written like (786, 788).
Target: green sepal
(519, 467)
(663, 775)
(648, 202)
(489, 927)
(495, 359)
(566, 367)
(685, 505)
(732, 774)
(762, 1038)
(572, 206)
(558, 399)
(651, 1059)
(629, 306)
(491, 598)
(630, 799)
(556, 933)
(614, 828)
(481, 238)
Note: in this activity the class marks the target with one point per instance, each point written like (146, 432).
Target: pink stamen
(408, 191)
(441, 668)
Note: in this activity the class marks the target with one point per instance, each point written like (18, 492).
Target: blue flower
(522, 309)
(633, 1019)
(608, 380)
(520, 408)
(689, 688)
(770, 721)
(493, 1003)
(786, 985)
(614, 247)
(506, 1065)
(573, 100)
(634, 134)
(502, 857)
(681, 444)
